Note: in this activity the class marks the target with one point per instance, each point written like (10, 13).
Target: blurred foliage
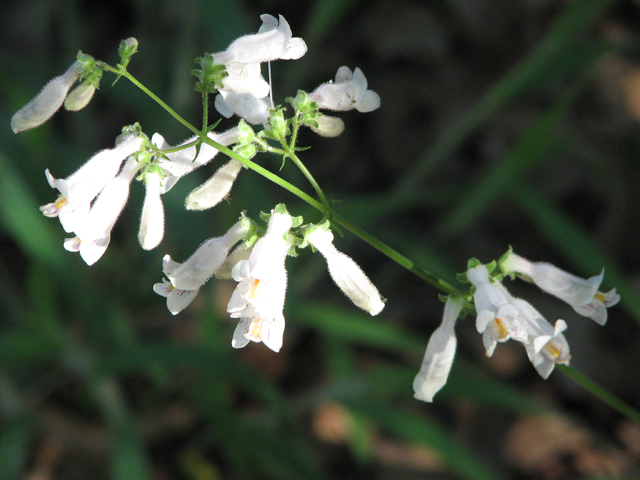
(511, 122)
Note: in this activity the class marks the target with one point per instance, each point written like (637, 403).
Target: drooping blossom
(346, 273)
(79, 189)
(258, 299)
(93, 231)
(438, 358)
(498, 319)
(582, 294)
(349, 91)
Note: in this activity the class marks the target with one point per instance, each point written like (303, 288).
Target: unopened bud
(328, 126)
(214, 190)
(79, 97)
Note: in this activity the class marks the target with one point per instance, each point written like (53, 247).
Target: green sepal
(210, 75)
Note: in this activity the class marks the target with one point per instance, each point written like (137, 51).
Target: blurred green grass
(96, 345)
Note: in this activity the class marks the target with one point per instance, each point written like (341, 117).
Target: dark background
(504, 122)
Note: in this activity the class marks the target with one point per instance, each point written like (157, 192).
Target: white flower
(272, 42)
(93, 233)
(47, 102)
(182, 162)
(185, 279)
(259, 330)
(582, 294)
(245, 105)
(349, 91)
(79, 189)
(214, 190)
(205, 261)
(260, 293)
(498, 319)
(177, 300)
(346, 273)
(245, 78)
(152, 218)
(438, 358)
(548, 346)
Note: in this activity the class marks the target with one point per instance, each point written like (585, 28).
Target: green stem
(608, 398)
(205, 111)
(292, 155)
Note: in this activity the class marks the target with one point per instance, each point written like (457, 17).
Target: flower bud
(328, 126)
(210, 193)
(79, 97)
(47, 102)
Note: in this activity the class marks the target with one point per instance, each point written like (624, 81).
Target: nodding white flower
(245, 105)
(548, 345)
(274, 41)
(262, 279)
(498, 319)
(346, 273)
(177, 300)
(259, 330)
(178, 164)
(185, 279)
(582, 294)
(205, 261)
(214, 190)
(245, 78)
(79, 189)
(152, 218)
(94, 232)
(438, 358)
(47, 102)
(348, 92)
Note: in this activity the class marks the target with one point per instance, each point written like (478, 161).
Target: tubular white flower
(259, 330)
(47, 102)
(582, 294)
(548, 346)
(438, 358)
(262, 279)
(152, 218)
(245, 78)
(272, 42)
(185, 161)
(79, 189)
(348, 92)
(498, 319)
(205, 261)
(177, 300)
(214, 190)
(347, 275)
(94, 232)
(245, 105)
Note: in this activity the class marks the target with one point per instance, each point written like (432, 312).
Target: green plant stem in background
(608, 398)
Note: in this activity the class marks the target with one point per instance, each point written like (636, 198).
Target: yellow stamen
(254, 331)
(253, 291)
(599, 296)
(503, 331)
(60, 202)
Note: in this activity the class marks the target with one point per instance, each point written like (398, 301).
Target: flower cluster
(502, 317)
(258, 265)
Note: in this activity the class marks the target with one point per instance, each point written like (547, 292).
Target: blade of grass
(572, 23)
(534, 148)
